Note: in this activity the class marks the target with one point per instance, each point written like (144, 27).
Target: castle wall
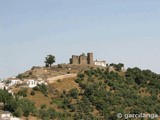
(83, 60)
(75, 59)
(70, 61)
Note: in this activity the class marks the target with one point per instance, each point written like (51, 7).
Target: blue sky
(124, 31)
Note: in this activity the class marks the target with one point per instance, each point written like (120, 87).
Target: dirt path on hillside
(53, 79)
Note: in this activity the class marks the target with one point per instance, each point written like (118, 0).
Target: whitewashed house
(100, 63)
(7, 116)
(15, 82)
(32, 83)
(42, 82)
(26, 83)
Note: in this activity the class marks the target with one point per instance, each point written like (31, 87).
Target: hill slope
(99, 94)
(56, 70)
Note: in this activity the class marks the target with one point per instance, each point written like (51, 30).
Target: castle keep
(82, 59)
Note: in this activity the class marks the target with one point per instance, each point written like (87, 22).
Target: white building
(100, 63)
(2, 85)
(42, 82)
(8, 116)
(32, 83)
(15, 82)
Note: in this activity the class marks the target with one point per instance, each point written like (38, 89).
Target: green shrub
(32, 92)
(36, 88)
(18, 112)
(23, 92)
(43, 106)
(74, 93)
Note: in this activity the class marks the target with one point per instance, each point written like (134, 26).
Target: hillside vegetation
(96, 94)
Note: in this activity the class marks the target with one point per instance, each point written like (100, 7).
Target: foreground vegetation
(101, 95)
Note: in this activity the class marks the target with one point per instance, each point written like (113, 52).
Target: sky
(118, 31)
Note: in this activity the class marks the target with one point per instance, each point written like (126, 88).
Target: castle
(84, 60)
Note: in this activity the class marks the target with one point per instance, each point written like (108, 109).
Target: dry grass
(143, 92)
(30, 118)
(65, 84)
(48, 72)
(39, 98)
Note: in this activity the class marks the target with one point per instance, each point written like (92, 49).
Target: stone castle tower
(82, 59)
(90, 58)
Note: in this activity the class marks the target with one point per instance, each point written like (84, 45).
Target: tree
(52, 113)
(32, 92)
(50, 59)
(43, 88)
(5, 96)
(23, 92)
(74, 93)
(118, 67)
(43, 106)
(27, 106)
(18, 112)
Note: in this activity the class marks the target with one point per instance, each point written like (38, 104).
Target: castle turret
(90, 58)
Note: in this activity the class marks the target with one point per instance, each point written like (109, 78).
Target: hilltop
(77, 63)
(56, 70)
